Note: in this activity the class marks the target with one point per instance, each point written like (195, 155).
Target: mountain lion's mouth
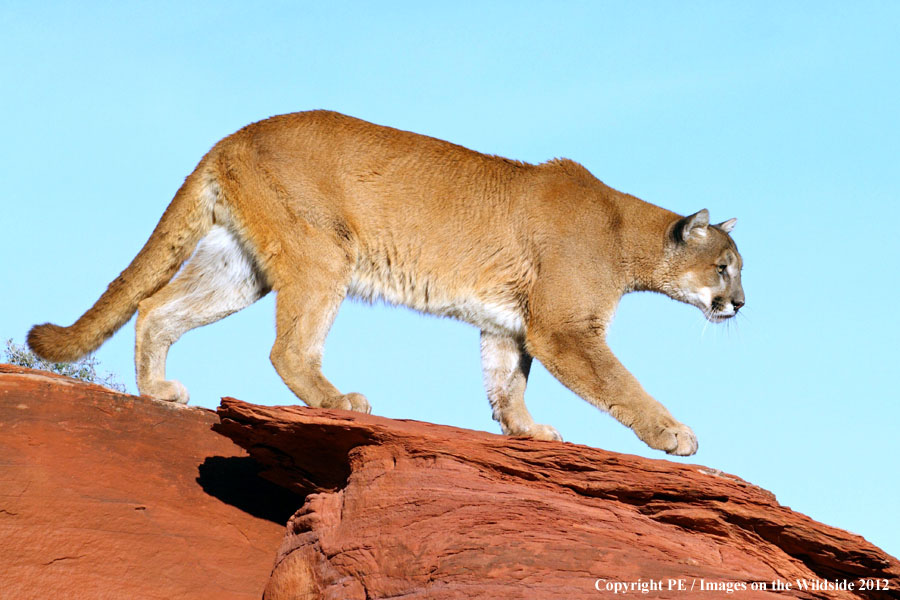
(719, 317)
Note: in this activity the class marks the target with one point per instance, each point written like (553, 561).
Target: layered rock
(402, 509)
(104, 495)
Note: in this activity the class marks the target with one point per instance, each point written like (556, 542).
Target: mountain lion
(317, 206)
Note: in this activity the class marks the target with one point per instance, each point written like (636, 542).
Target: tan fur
(317, 206)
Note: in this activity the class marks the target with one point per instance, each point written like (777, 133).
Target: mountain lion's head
(704, 266)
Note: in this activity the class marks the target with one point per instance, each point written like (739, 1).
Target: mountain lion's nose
(737, 304)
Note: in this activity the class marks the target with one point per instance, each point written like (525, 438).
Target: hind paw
(167, 391)
(352, 401)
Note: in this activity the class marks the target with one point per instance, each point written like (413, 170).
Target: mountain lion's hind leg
(305, 310)
(218, 280)
(505, 364)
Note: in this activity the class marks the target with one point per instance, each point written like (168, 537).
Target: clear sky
(783, 114)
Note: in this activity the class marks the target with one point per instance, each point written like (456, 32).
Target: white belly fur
(495, 315)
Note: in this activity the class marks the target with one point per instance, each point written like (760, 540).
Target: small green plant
(84, 369)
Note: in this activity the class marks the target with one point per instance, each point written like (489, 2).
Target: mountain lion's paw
(351, 401)
(662, 432)
(679, 440)
(542, 432)
(167, 391)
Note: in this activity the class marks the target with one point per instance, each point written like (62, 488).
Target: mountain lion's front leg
(505, 364)
(581, 360)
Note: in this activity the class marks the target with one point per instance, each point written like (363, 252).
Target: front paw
(660, 431)
(537, 431)
(677, 439)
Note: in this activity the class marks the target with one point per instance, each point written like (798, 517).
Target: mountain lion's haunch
(317, 206)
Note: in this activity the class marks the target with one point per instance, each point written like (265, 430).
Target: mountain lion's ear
(727, 226)
(695, 224)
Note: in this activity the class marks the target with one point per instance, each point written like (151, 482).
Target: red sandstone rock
(410, 510)
(109, 496)
(104, 495)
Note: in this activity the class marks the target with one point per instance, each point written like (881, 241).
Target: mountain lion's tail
(185, 222)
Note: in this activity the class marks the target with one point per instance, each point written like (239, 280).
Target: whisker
(706, 314)
(744, 316)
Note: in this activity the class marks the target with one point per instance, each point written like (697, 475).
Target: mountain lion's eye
(721, 269)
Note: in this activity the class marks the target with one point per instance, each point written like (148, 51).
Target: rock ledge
(403, 509)
(110, 496)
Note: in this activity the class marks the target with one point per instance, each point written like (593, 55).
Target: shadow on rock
(235, 480)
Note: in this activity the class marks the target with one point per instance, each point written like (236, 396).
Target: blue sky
(781, 114)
